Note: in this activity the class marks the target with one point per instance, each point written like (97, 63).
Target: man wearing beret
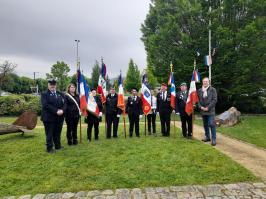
(164, 109)
(134, 111)
(53, 109)
(186, 120)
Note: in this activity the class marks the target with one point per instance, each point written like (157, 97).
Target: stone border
(215, 191)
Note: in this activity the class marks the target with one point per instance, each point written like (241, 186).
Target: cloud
(36, 34)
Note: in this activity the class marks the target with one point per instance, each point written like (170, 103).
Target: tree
(133, 77)
(5, 69)
(174, 30)
(108, 83)
(60, 71)
(151, 78)
(95, 74)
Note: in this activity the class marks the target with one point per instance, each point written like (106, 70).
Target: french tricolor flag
(192, 95)
(92, 106)
(101, 89)
(145, 95)
(208, 60)
(121, 100)
(196, 76)
(171, 82)
(83, 93)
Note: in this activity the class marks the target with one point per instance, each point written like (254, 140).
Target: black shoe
(115, 136)
(69, 143)
(213, 143)
(206, 140)
(189, 137)
(51, 151)
(75, 142)
(59, 148)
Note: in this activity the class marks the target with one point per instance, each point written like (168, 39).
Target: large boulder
(228, 118)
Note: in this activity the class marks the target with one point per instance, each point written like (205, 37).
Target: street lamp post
(77, 41)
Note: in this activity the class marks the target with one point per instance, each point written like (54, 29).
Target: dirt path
(249, 156)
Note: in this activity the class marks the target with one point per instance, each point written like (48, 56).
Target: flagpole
(78, 68)
(145, 125)
(210, 70)
(125, 131)
(171, 67)
(193, 115)
(105, 122)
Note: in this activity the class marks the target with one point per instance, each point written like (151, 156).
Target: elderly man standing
(53, 109)
(207, 101)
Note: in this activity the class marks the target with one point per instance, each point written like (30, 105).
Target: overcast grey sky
(35, 34)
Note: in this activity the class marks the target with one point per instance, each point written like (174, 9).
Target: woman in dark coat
(72, 115)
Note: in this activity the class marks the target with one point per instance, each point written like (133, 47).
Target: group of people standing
(57, 106)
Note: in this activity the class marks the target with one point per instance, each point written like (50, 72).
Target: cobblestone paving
(216, 191)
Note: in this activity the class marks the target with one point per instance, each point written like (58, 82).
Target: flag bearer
(164, 109)
(186, 120)
(134, 111)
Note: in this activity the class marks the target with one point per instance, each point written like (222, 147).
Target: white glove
(100, 114)
(177, 113)
(140, 116)
(173, 111)
(118, 116)
(158, 113)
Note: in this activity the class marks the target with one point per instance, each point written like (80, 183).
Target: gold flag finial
(171, 66)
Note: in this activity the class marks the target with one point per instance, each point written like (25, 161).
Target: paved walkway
(228, 191)
(249, 156)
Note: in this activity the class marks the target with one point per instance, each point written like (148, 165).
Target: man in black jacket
(94, 120)
(112, 113)
(164, 109)
(186, 120)
(53, 109)
(134, 111)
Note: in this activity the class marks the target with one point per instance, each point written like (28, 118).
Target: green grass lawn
(251, 129)
(25, 167)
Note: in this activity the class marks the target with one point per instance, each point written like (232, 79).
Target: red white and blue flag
(145, 95)
(101, 89)
(121, 98)
(87, 101)
(192, 94)
(208, 60)
(196, 75)
(171, 82)
(83, 93)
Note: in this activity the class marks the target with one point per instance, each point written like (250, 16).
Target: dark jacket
(72, 110)
(93, 118)
(164, 106)
(111, 105)
(50, 105)
(181, 100)
(209, 102)
(134, 108)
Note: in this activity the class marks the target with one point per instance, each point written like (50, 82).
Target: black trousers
(151, 121)
(53, 134)
(186, 121)
(112, 119)
(72, 125)
(96, 130)
(133, 121)
(165, 123)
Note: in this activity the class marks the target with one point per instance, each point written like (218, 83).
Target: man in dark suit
(186, 120)
(53, 109)
(112, 113)
(134, 111)
(164, 109)
(94, 120)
